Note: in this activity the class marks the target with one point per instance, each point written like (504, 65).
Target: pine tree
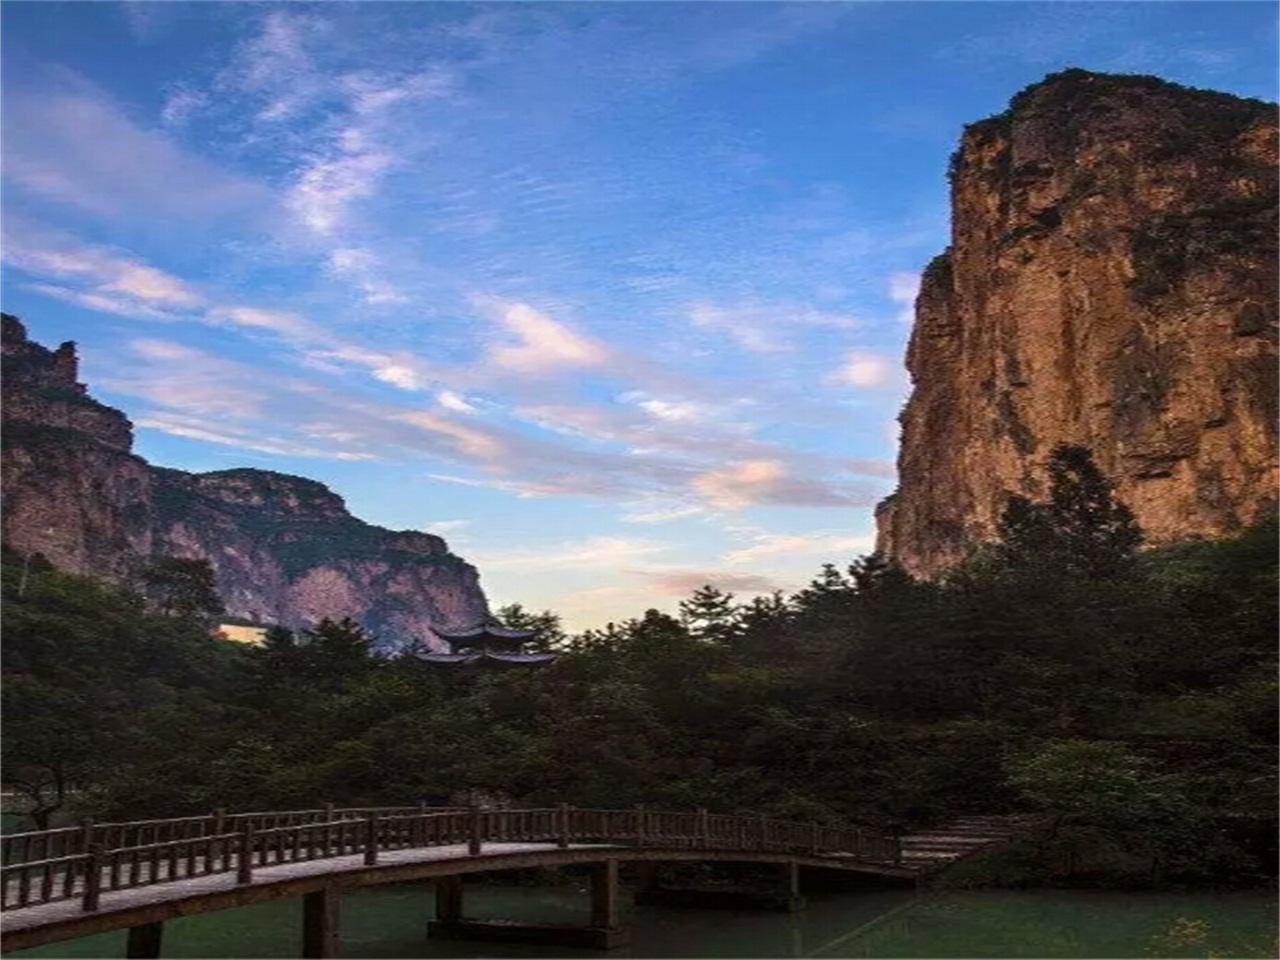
(710, 614)
(182, 587)
(1082, 529)
(548, 632)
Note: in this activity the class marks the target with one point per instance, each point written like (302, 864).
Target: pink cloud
(542, 345)
(684, 582)
(862, 368)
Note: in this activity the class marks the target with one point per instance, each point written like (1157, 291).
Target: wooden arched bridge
(75, 881)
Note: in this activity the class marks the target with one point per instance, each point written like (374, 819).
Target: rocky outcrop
(287, 551)
(284, 548)
(1111, 282)
(72, 489)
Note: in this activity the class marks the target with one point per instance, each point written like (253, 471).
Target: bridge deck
(167, 890)
(148, 871)
(332, 870)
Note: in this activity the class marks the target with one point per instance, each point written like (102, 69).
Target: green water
(391, 922)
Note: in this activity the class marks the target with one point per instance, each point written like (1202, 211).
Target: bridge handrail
(33, 845)
(251, 844)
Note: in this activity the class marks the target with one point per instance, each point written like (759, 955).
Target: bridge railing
(265, 839)
(16, 848)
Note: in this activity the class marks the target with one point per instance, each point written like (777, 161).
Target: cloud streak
(67, 141)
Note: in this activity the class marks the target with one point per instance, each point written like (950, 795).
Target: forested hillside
(1129, 696)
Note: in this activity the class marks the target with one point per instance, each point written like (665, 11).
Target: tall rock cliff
(1111, 282)
(284, 548)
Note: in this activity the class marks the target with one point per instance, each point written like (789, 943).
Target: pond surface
(391, 921)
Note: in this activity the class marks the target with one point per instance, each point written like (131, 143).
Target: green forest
(1126, 695)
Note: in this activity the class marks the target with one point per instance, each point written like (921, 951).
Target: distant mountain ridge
(1111, 283)
(284, 548)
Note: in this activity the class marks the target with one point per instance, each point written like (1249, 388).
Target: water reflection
(885, 923)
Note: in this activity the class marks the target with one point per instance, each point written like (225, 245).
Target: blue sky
(613, 296)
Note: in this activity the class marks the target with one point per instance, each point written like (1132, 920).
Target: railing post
(328, 812)
(418, 831)
(216, 828)
(244, 859)
(704, 827)
(563, 828)
(640, 832)
(371, 838)
(473, 844)
(813, 837)
(86, 834)
(763, 840)
(92, 878)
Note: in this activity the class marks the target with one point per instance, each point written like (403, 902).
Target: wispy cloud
(756, 482)
(662, 514)
(61, 256)
(360, 266)
(766, 328)
(592, 553)
(342, 128)
(189, 381)
(67, 141)
(768, 545)
(283, 322)
(326, 187)
(275, 64)
(470, 441)
(101, 302)
(864, 368)
(107, 280)
(904, 287)
(681, 583)
(540, 346)
(181, 104)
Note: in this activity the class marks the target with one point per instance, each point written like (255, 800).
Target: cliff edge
(1111, 282)
(284, 549)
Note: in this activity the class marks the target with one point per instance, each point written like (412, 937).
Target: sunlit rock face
(1111, 282)
(72, 489)
(284, 548)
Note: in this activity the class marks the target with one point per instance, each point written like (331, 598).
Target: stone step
(950, 842)
(930, 858)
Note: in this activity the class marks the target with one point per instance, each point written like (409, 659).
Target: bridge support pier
(320, 924)
(604, 895)
(791, 887)
(603, 933)
(449, 899)
(143, 942)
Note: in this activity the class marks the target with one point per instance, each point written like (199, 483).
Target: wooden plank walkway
(173, 890)
(51, 899)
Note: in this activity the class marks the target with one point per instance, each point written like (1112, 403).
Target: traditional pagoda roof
(487, 644)
(486, 637)
(487, 631)
(484, 657)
